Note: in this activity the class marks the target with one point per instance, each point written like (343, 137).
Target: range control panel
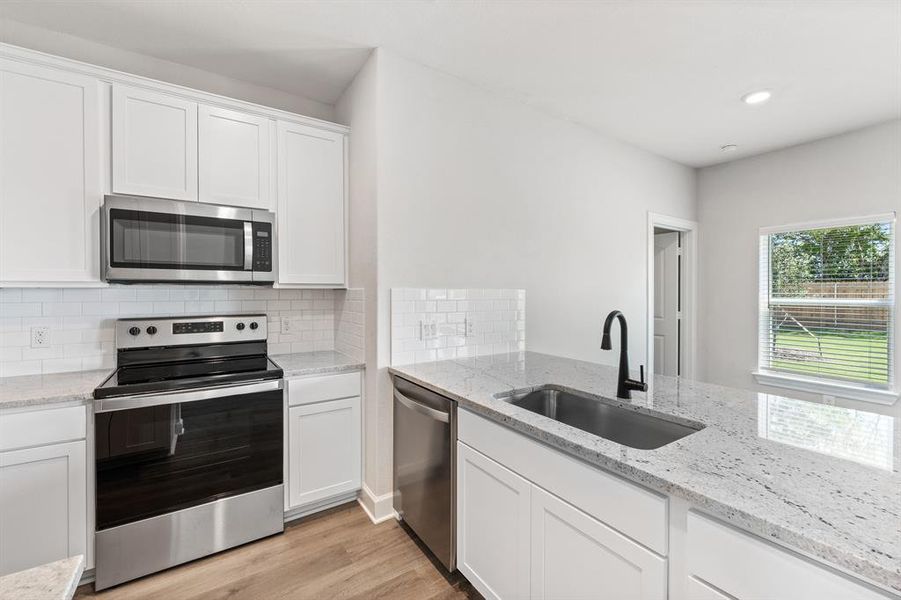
(184, 331)
(198, 327)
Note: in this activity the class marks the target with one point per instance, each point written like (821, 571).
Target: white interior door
(666, 303)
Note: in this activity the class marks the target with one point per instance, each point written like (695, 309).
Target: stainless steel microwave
(158, 240)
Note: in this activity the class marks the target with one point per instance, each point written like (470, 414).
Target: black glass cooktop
(141, 372)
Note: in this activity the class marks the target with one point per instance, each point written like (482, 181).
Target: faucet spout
(624, 385)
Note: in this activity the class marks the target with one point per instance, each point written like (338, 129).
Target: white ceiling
(664, 75)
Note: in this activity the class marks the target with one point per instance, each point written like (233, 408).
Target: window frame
(810, 383)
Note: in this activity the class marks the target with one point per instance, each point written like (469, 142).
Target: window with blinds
(827, 302)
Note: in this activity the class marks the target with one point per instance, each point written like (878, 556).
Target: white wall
(475, 190)
(855, 174)
(357, 108)
(69, 46)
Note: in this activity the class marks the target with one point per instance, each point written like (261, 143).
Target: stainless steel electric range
(188, 443)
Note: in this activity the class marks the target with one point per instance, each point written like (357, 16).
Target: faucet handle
(641, 373)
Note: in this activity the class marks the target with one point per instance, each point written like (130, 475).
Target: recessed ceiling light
(729, 148)
(758, 97)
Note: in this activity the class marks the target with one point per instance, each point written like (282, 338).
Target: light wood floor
(335, 554)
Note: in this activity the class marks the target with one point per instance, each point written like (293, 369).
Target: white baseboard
(378, 508)
(326, 504)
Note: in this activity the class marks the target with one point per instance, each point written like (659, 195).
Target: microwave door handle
(248, 246)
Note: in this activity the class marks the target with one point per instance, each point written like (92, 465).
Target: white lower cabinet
(493, 517)
(516, 540)
(324, 439)
(579, 558)
(324, 450)
(726, 563)
(43, 513)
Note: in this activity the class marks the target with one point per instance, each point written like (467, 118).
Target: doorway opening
(671, 296)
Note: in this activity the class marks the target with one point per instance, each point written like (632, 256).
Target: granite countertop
(822, 479)
(53, 581)
(316, 363)
(54, 388)
(41, 390)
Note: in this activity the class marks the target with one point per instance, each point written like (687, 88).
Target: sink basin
(615, 423)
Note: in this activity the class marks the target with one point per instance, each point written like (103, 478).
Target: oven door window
(151, 240)
(160, 459)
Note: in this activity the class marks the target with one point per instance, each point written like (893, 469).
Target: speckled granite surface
(316, 363)
(38, 390)
(53, 581)
(821, 479)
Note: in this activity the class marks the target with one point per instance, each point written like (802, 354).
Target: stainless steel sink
(615, 423)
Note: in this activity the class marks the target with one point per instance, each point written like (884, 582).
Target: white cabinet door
(154, 144)
(50, 190)
(577, 557)
(700, 590)
(234, 158)
(493, 522)
(746, 567)
(42, 505)
(323, 450)
(311, 215)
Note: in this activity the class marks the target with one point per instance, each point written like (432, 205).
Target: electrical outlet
(428, 330)
(40, 337)
(467, 327)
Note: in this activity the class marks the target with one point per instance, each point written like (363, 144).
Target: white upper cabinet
(50, 184)
(234, 157)
(311, 206)
(154, 144)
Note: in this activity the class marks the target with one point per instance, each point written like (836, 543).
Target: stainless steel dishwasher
(425, 467)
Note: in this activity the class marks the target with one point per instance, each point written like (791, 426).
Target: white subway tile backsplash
(82, 321)
(10, 295)
(42, 295)
(80, 295)
(468, 322)
(118, 295)
(152, 294)
(21, 309)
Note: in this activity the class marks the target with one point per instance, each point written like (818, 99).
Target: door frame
(689, 333)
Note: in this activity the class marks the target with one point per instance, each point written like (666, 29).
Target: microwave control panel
(262, 246)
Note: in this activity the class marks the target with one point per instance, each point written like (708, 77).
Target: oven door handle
(128, 402)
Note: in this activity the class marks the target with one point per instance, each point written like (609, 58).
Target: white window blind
(827, 302)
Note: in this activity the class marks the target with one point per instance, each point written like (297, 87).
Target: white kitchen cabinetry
(311, 206)
(516, 540)
(493, 522)
(154, 144)
(50, 184)
(324, 459)
(43, 489)
(726, 563)
(235, 162)
(575, 556)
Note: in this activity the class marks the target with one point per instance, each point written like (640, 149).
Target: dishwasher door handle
(422, 408)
